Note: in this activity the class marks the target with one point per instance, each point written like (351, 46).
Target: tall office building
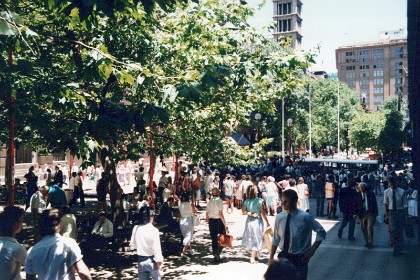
(287, 15)
(377, 70)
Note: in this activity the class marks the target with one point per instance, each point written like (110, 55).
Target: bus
(317, 164)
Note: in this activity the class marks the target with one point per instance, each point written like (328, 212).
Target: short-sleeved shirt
(58, 197)
(400, 195)
(52, 258)
(213, 207)
(253, 205)
(301, 226)
(12, 257)
(230, 185)
(38, 202)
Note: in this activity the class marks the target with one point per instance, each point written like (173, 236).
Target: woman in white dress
(186, 210)
(303, 195)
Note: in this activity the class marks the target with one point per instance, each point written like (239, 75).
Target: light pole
(338, 118)
(289, 127)
(282, 128)
(310, 122)
(257, 118)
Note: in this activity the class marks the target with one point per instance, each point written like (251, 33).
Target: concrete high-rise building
(287, 15)
(377, 70)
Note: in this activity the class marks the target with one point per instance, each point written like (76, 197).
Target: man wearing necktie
(293, 232)
(396, 209)
(368, 211)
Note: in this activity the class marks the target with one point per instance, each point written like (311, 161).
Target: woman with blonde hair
(253, 207)
(303, 195)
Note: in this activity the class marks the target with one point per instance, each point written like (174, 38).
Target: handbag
(225, 240)
(268, 237)
(196, 220)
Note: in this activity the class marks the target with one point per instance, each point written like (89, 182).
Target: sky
(333, 23)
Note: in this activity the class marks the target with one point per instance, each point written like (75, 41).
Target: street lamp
(257, 118)
(289, 127)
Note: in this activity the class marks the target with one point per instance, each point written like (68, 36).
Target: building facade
(287, 15)
(376, 70)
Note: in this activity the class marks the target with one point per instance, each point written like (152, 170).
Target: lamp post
(310, 122)
(338, 118)
(289, 127)
(257, 118)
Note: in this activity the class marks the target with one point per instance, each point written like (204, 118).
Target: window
(284, 9)
(364, 82)
(364, 53)
(378, 90)
(398, 72)
(399, 52)
(364, 91)
(364, 67)
(349, 68)
(398, 89)
(378, 99)
(351, 53)
(350, 75)
(59, 157)
(299, 22)
(364, 74)
(398, 64)
(378, 82)
(398, 81)
(350, 60)
(23, 155)
(378, 58)
(378, 66)
(299, 8)
(284, 25)
(378, 73)
(364, 59)
(378, 51)
(351, 84)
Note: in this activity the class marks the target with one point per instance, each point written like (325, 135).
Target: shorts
(330, 198)
(229, 197)
(271, 201)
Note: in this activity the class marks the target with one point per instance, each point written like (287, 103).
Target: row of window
(284, 8)
(397, 50)
(284, 25)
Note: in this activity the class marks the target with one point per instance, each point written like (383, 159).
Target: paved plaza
(335, 259)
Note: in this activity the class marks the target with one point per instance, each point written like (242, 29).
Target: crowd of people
(254, 195)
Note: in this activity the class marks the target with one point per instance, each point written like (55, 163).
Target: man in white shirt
(396, 210)
(55, 256)
(102, 232)
(69, 191)
(146, 241)
(38, 203)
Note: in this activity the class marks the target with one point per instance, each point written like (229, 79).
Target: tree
(391, 137)
(365, 130)
(104, 78)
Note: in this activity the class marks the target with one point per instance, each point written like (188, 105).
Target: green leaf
(5, 29)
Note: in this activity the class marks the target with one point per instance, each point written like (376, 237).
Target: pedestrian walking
(368, 211)
(303, 195)
(187, 210)
(329, 195)
(216, 221)
(396, 210)
(12, 253)
(348, 207)
(146, 241)
(293, 234)
(254, 208)
(55, 256)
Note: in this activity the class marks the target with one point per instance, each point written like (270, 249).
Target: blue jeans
(148, 268)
